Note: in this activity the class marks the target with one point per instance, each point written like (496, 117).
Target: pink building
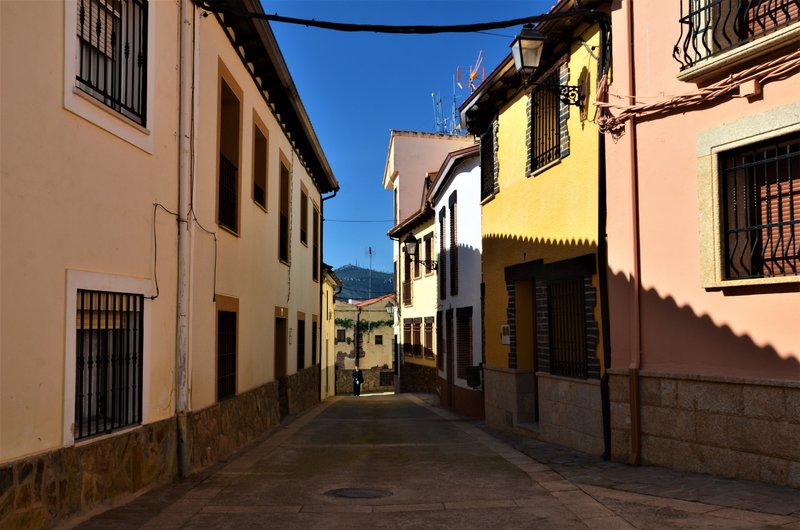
(703, 217)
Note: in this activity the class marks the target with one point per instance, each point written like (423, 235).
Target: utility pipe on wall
(185, 139)
(636, 315)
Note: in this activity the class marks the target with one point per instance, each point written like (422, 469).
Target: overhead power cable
(218, 6)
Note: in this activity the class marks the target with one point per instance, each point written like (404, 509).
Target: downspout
(636, 315)
(602, 249)
(322, 282)
(185, 139)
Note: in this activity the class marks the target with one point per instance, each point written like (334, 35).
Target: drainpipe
(602, 249)
(184, 182)
(636, 315)
(322, 282)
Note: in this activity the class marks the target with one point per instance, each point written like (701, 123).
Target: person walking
(358, 379)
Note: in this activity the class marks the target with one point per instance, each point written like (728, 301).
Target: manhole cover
(358, 493)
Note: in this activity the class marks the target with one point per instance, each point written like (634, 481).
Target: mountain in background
(356, 283)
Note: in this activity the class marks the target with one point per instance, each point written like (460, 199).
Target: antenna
(439, 121)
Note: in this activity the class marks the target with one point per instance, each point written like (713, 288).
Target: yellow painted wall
(550, 215)
(425, 293)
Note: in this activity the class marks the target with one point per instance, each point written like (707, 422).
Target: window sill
(544, 168)
(720, 285)
(488, 199)
(260, 207)
(717, 66)
(231, 231)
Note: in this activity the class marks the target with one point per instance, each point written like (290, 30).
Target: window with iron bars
(109, 353)
(760, 201)
(112, 54)
(547, 121)
(712, 27)
(566, 320)
(226, 354)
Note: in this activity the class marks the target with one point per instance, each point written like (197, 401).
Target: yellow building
(540, 226)
(161, 199)
(331, 286)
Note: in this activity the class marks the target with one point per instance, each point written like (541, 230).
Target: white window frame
(100, 282)
(84, 105)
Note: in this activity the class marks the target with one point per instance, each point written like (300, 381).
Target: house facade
(411, 162)
(455, 199)
(366, 326)
(175, 190)
(544, 352)
(331, 286)
(703, 203)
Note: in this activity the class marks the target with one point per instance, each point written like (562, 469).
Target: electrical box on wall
(505, 334)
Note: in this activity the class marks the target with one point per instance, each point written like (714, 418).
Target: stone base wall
(737, 428)
(570, 412)
(224, 427)
(509, 396)
(39, 491)
(372, 381)
(43, 490)
(303, 391)
(417, 378)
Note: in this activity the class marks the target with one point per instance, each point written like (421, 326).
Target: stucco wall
(76, 196)
(686, 328)
(247, 266)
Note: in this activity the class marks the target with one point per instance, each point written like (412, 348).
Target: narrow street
(398, 461)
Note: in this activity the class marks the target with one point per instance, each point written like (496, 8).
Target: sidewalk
(402, 462)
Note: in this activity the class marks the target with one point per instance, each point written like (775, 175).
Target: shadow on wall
(676, 339)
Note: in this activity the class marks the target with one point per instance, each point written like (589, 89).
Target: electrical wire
(156, 206)
(218, 6)
(359, 220)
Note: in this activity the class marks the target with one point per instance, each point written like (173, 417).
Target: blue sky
(356, 87)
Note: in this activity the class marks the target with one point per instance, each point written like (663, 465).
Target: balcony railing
(712, 27)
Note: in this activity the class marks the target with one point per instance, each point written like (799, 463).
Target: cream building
(182, 177)
(331, 286)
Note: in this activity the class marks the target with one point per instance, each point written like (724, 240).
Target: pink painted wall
(746, 331)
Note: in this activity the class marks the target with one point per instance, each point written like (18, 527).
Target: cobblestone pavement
(386, 461)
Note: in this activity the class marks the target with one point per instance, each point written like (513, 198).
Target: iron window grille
(226, 354)
(567, 328)
(301, 344)
(313, 342)
(303, 217)
(711, 27)
(378, 340)
(546, 121)
(228, 194)
(463, 340)
(109, 353)
(760, 198)
(283, 223)
(112, 54)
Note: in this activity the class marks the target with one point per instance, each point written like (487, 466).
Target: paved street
(386, 461)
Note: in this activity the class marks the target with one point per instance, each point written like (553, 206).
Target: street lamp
(411, 246)
(527, 52)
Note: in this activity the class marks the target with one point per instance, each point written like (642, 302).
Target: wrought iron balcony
(712, 27)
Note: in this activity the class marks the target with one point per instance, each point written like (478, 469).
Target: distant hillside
(356, 283)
